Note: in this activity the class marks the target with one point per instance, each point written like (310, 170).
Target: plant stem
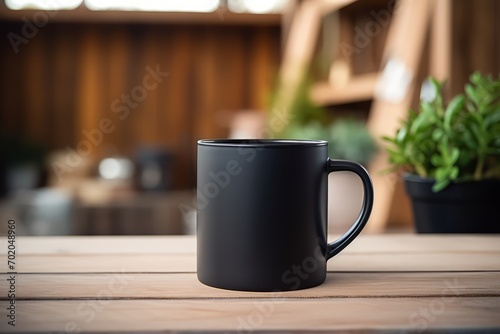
(479, 168)
(420, 170)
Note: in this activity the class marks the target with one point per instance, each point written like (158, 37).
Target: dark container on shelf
(153, 169)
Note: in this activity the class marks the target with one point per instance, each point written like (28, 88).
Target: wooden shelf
(359, 88)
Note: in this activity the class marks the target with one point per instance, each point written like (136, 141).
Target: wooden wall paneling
(234, 60)
(273, 59)
(205, 85)
(221, 83)
(172, 110)
(480, 35)
(6, 48)
(261, 71)
(117, 48)
(244, 62)
(33, 76)
(276, 57)
(141, 113)
(62, 87)
(49, 84)
(66, 79)
(213, 82)
(127, 135)
(475, 40)
(146, 131)
(181, 54)
(176, 101)
(120, 77)
(459, 45)
(90, 83)
(136, 72)
(12, 90)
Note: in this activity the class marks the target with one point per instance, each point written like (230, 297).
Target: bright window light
(236, 6)
(260, 6)
(197, 6)
(256, 6)
(42, 4)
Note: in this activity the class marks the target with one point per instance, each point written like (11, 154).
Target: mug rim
(226, 142)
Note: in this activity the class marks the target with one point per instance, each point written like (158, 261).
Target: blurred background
(102, 102)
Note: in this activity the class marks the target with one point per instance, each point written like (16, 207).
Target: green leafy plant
(452, 142)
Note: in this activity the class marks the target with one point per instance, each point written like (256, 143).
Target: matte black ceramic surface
(262, 213)
(465, 207)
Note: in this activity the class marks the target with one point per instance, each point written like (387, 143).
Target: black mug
(262, 213)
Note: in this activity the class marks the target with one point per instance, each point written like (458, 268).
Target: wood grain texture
(177, 254)
(264, 314)
(367, 244)
(405, 44)
(155, 263)
(475, 40)
(122, 285)
(67, 78)
(359, 88)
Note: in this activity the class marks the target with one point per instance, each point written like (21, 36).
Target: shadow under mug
(262, 213)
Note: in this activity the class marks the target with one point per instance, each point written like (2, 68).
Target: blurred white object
(247, 124)
(42, 4)
(256, 6)
(427, 92)
(394, 82)
(116, 168)
(195, 6)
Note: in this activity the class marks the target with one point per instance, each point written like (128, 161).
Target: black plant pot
(465, 207)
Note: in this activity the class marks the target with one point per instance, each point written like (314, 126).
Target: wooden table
(111, 284)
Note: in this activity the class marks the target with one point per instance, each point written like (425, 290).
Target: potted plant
(450, 156)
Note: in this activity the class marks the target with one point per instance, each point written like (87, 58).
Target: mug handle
(338, 245)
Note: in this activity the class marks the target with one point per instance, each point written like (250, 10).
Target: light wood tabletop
(400, 283)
